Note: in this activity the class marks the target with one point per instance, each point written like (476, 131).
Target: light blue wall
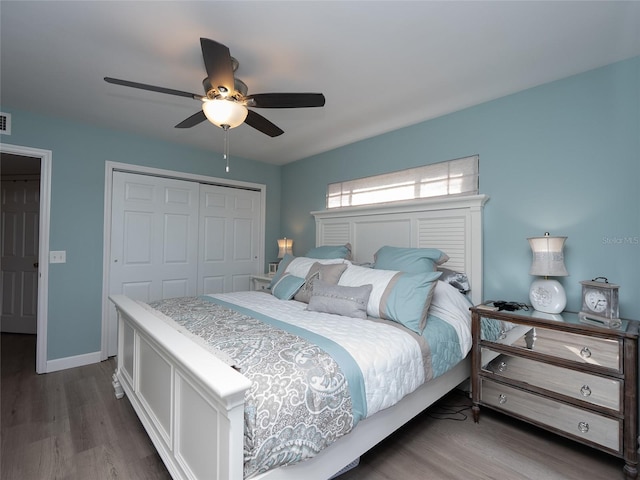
(77, 211)
(563, 157)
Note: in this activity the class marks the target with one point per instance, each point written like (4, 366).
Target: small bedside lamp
(547, 295)
(285, 245)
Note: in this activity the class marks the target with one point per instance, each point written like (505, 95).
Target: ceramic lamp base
(547, 295)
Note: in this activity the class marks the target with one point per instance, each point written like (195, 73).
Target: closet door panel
(230, 239)
(177, 239)
(154, 240)
(214, 238)
(242, 240)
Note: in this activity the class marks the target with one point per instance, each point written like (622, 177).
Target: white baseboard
(72, 362)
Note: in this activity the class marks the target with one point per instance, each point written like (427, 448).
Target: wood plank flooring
(68, 425)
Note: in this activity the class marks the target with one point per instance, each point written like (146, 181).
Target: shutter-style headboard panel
(454, 225)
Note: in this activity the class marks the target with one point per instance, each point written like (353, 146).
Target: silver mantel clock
(600, 302)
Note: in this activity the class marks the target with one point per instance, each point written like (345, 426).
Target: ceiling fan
(225, 102)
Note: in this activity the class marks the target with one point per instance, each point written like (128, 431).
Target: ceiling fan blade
(217, 61)
(152, 88)
(285, 100)
(260, 123)
(193, 120)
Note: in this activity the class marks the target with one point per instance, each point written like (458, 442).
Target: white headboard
(454, 225)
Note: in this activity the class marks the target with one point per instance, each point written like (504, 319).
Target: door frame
(45, 157)
(108, 192)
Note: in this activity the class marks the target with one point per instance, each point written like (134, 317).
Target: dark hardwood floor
(68, 425)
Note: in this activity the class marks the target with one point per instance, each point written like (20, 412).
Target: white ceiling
(381, 65)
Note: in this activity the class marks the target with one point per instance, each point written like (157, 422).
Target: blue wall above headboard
(562, 157)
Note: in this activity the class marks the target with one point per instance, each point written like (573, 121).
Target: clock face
(595, 301)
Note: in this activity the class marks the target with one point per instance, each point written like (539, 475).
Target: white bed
(192, 404)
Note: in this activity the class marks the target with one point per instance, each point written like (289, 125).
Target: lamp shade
(224, 112)
(285, 246)
(548, 257)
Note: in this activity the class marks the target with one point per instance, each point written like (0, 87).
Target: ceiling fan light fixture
(224, 112)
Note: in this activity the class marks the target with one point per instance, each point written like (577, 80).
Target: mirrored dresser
(575, 379)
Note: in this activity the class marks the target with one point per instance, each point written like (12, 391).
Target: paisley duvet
(314, 375)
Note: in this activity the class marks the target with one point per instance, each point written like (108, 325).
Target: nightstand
(260, 283)
(571, 378)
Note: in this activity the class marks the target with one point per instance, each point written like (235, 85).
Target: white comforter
(390, 372)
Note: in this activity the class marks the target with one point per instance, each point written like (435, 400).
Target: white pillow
(300, 266)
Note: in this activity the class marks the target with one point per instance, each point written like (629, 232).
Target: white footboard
(190, 403)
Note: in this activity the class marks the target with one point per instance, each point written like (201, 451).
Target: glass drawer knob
(502, 366)
(583, 427)
(502, 399)
(585, 391)
(585, 352)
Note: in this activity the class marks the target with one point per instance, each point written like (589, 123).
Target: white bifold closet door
(174, 238)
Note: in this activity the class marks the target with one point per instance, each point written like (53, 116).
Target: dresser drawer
(575, 347)
(587, 426)
(605, 392)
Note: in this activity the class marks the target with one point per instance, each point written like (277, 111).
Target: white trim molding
(72, 362)
(45, 157)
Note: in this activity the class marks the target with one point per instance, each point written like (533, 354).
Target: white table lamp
(547, 295)
(285, 245)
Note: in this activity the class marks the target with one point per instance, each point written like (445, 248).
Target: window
(453, 177)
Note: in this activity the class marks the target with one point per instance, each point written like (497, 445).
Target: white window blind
(453, 177)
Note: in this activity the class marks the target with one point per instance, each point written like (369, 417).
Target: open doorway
(26, 183)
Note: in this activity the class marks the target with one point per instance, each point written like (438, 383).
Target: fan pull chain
(226, 146)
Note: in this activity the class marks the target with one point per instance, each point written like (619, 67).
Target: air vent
(5, 123)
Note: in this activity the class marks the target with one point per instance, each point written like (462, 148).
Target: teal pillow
(282, 266)
(408, 300)
(331, 251)
(402, 297)
(287, 286)
(409, 260)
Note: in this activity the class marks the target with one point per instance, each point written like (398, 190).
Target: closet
(174, 237)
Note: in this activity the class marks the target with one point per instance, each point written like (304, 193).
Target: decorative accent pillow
(300, 266)
(282, 266)
(331, 251)
(345, 301)
(398, 296)
(327, 273)
(409, 260)
(287, 286)
(456, 279)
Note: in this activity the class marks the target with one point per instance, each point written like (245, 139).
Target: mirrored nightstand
(571, 378)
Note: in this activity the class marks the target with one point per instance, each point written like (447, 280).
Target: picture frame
(273, 268)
